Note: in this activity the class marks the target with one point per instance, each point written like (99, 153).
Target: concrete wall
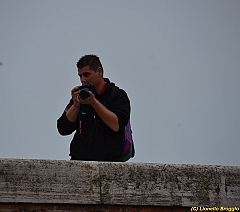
(52, 183)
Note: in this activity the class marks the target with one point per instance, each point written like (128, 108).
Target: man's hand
(75, 97)
(74, 110)
(91, 100)
(108, 117)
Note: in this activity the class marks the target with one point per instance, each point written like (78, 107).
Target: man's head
(90, 60)
(90, 70)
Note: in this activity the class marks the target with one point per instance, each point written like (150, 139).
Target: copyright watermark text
(197, 208)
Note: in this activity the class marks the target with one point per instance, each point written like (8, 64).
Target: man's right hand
(73, 111)
(75, 96)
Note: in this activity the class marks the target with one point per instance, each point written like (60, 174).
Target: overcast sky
(178, 60)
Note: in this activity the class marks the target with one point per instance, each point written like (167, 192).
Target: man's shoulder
(114, 90)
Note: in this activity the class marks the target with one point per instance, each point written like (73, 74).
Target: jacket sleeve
(64, 126)
(121, 107)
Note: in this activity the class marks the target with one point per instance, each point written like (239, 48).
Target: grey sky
(178, 61)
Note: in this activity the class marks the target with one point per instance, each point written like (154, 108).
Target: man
(99, 120)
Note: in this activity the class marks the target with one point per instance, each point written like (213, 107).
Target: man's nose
(83, 80)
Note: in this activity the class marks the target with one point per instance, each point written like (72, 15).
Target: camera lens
(84, 93)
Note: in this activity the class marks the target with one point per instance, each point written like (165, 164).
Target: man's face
(90, 76)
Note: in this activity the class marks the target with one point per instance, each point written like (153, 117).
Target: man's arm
(108, 117)
(73, 111)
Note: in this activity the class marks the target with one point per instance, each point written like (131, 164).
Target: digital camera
(85, 88)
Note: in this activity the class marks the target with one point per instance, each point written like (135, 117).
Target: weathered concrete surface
(36, 207)
(49, 181)
(75, 182)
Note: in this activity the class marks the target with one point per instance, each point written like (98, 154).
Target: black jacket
(93, 139)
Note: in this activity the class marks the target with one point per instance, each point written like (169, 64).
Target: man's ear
(100, 71)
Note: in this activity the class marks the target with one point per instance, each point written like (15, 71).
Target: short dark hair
(92, 61)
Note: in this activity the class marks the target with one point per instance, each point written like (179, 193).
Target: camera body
(85, 88)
